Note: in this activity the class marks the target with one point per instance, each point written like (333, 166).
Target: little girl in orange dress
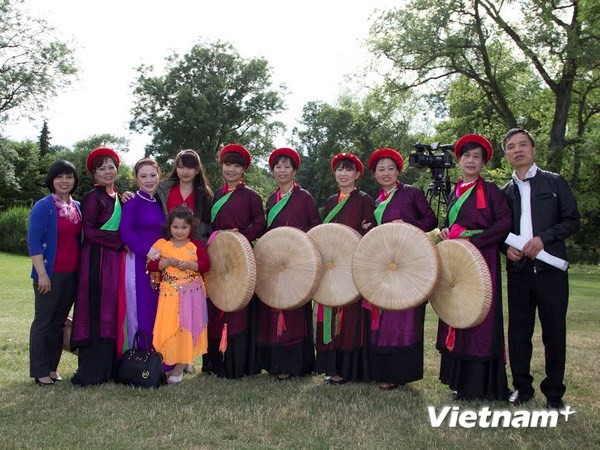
(180, 332)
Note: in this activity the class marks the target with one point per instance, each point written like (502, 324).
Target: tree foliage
(490, 43)
(78, 156)
(34, 63)
(23, 168)
(44, 140)
(360, 127)
(21, 181)
(207, 98)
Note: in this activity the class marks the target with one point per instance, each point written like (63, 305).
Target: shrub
(13, 229)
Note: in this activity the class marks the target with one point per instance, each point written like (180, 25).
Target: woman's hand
(443, 234)
(126, 196)
(44, 285)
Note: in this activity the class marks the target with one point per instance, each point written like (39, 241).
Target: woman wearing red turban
(472, 359)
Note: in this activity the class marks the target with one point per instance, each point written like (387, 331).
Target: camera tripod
(438, 191)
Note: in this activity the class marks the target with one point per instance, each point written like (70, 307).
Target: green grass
(259, 412)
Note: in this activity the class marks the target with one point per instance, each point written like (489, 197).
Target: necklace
(151, 199)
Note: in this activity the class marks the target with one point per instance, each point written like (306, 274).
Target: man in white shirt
(545, 214)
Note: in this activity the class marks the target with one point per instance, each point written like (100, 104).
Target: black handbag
(141, 367)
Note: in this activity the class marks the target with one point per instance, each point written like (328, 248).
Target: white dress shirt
(526, 225)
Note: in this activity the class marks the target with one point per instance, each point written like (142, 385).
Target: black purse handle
(136, 341)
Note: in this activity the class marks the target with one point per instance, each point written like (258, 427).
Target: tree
(359, 127)
(207, 98)
(487, 41)
(21, 181)
(78, 156)
(34, 63)
(44, 140)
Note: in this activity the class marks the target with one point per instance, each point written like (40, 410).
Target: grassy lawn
(260, 412)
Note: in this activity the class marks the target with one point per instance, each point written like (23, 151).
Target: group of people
(157, 236)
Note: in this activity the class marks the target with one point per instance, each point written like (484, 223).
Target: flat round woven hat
(336, 243)
(463, 296)
(395, 266)
(232, 277)
(288, 268)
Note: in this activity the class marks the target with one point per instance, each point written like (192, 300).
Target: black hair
(58, 168)
(345, 163)
(189, 158)
(514, 131)
(181, 212)
(281, 158)
(468, 146)
(234, 158)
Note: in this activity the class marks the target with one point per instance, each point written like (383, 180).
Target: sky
(310, 44)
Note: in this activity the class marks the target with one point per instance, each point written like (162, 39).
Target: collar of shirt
(530, 174)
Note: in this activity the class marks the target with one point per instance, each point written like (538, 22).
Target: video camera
(424, 156)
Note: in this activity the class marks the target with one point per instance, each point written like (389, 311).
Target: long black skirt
(96, 357)
(350, 365)
(240, 357)
(396, 365)
(232, 364)
(475, 379)
(96, 363)
(296, 359)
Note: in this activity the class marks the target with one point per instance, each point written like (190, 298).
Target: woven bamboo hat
(336, 243)
(288, 268)
(463, 296)
(395, 266)
(232, 277)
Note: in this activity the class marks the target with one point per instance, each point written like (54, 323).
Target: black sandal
(42, 383)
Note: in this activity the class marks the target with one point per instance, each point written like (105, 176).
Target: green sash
(455, 209)
(112, 224)
(327, 314)
(335, 210)
(328, 310)
(276, 209)
(218, 205)
(378, 213)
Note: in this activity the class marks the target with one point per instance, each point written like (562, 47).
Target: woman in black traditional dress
(285, 338)
(472, 359)
(342, 332)
(396, 337)
(232, 335)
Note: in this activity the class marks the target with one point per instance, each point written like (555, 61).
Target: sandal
(174, 379)
(56, 378)
(329, 381)
(43, 383)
